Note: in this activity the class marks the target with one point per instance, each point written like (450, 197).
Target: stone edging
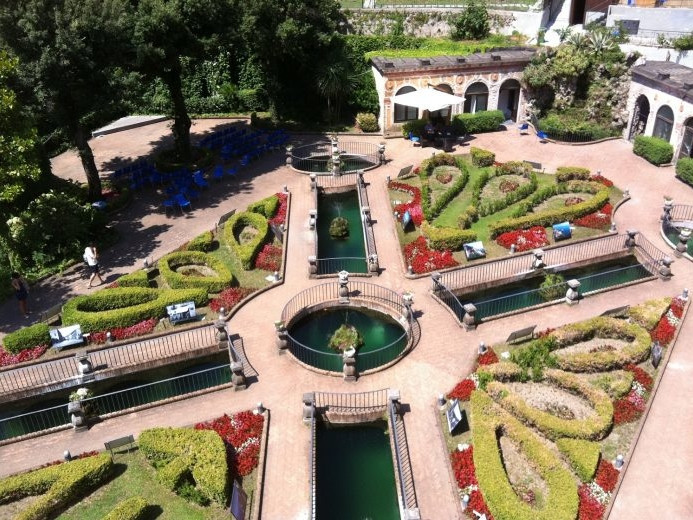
(259, 485)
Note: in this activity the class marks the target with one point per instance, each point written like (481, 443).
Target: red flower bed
(663, 332)
(280, 216)
(465, 475)
(413, 206)
(241, 433)
(463, 390)
(7, 358)
(640, 376)
(628, 408)
(524, 239)
(228, 298)
(118, 333)
(424, 260)
(488, 358)
(607, 476)
(602, 180)
(676, 307)
(597, 220)
(269, 258)
(589, 508)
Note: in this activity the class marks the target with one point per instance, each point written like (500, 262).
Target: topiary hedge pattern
(138, 278)
(571, 173)
(169, 264)
(648, 314)
(172, 475)
(487, 207)
(58, 486)
(266, 207)
(653, 149)
(432, 210)
(122, 307)
(684, 170)
(247, 252)
(27, 337)
(477, 123)
(202, 242)
(582, 455)
(134, 508)
(203, 450)
(446, 238)
(488, 422)
(481, 157)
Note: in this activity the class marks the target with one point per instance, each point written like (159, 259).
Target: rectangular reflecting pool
(349, 253)
(355, 476)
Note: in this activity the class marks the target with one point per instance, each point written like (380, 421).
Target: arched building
(487, 81)
(660, 103)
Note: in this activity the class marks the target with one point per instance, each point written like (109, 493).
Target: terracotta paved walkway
(443, 356)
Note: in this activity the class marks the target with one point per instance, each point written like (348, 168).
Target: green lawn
(136, 477)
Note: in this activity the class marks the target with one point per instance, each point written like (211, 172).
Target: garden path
(444, 354)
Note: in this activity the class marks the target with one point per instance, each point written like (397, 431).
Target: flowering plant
(465, 475)
(413, 206)
(229, 298)
(423, 260)
(488, 358)
(280, 216)
(607, 476)
(629, 408)
(269, 258)
(524, 239)
(602, 180)
(118, 333)
(666, 327)
(463, 390)
(6, 358)
(597, 220)
(640, 376)
(589, 507)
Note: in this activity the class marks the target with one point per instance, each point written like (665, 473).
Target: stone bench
(128, 440)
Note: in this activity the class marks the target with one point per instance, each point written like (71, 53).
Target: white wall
(653, 53)
(380, 88)
(653, 19)
(527, 23)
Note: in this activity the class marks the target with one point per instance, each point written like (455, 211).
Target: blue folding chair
(218, 172)
(189, 193)
(524, 128)
(245, 160)
(231, 172)
(169, 204)
(182, 202)
(414, 139)
(199, 180)
(542, 136)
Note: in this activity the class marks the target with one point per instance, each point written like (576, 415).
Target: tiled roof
(668, 76)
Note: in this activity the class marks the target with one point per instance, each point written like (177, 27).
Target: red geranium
(524, 239)
(598, 220)
(7, 358)
(590, 508)
(663, 332)
(229, 298)
(413, 206)
(424, 260)
(676, 307)
(607, 476)
(628, 408)
(602, 180)
(488, 358)
(269, 258)
(465, 475)
(463, 390)
(640, 376)
(280, 216)
(118, 333)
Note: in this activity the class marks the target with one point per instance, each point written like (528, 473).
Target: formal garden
(455, 209)
(551, 420)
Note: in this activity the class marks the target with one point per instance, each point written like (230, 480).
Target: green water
(673, 236)
(520, 295)
(322, 164)
(354, 473)
(344, 205)
(377, 330)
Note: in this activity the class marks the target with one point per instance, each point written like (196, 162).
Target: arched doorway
(687, 141)
(664, 123)
(404, 113)
(509, 98)
(441, 117)
(476, 98)
(641, 111)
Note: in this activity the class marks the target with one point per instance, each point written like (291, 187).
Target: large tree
(66, 48)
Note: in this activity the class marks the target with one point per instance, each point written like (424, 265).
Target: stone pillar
(393, 397)
(366, 214)
(381, 152)
(656, 353)
(237, 376)
(538, 262)
(289, 150)
(336, 165)
(77, 418)
(359, 177)
(373, 265)
(282, 340)
(412, 514)
(572, 295)
(349, 368)
(408, 302)
(435, 277)
(482, 348)
(313, 182)
(666, 210)
(343, 286)
(630, 241)
(312, 265)
(469, 319)
(85, 368)
(665, 268)
(308, 406)
(222, 334)
(312, 218)
(682, 246)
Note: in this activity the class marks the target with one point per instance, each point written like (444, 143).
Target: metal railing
(569, 136)
(512, 5)
(369, 236)
(404, 471)
(650, 256)
(352, 264)
(359, 402)
(113, 402)
(313, 465)
(317, 157)
(337, 181)
(681, 212)
(65, 369)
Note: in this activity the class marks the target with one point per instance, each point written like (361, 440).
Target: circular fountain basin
(317, 157)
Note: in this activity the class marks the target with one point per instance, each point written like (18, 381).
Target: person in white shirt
(91, 257)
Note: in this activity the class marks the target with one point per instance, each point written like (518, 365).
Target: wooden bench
(535, 165)
(522, 334)
(128, 440)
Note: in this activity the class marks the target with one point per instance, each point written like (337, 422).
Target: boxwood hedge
(684, 170)
(204, 450)
(481, 157)
(266, 207)
(122, 307)
(172, 474)
(443, 238)
(582, 455)
(655, 150)
(58, 486)
(477, 123)
(138, 278)
(570, 173)
(27, 337)
(134, 508)
(202, 242)
(169, 264)
(246, 253)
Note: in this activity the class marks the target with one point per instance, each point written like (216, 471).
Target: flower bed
(413, 206)
(465, 475)
(269, 258)
(524, 239)
(280, 216)
(229, 298)
(598, 220)
(665, 329)
(488, 358)
(424, 260)
(602, 180)
(463, 390)
(506, 186)
(6, 358)
(118, 333)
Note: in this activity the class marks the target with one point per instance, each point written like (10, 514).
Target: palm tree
(335, 82)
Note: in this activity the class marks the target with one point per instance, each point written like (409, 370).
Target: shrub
(463, 390)
(446, 238)
(655, 150)
(7, 358)
(169, 264)
(27, 338)
(683, 43)
(569, 173)
(416, 126)
(229, 298)
(487, 207)
(266, 207)
(480, 122)
(59, 485)
(138, 278)
(204, 450)
(424, 260)
(134, 508)
(473, 23)
(431, 211)
(172, 475)
(502, 371)
(270, 258)
(202, 242)
(582, 455)
(684, 170)
(522, 168)
(533, 358)
(553, 287)
(367, 122)
(123, 307)
(481, 157)
(247, 252)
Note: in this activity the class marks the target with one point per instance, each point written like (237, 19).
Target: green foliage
(655, 150)
(138, 278)
(367, 122)
(189, 492)
(534, 358)
(345, 337)
(684, 170)
(339, 228)
(122, 307)
(481, 157)
(27, 337)
(247, 252)
(616, 383)
(58, 486)
(553, 287)
(133, 508)
(683, 43)
(202, 242)
(576, 121)
(569, 173)
(266, 207)
(486, 121)
(490, 206)
(170, 265)
(550, 217)
(583, 456)
(472, 23)
(468, 217)
(648, 314)
(522, 168)
(446, 238)
(172, 475)
(204, 450)
(431, 211)
(415, 126)
(409, 47)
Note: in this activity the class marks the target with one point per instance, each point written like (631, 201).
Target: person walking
(91, 257)
(21, 292)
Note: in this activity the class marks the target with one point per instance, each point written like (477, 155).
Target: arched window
(664, 122)
(509, 98)
(687, 141)
(641, 112)
(403, 112)
(476, 98)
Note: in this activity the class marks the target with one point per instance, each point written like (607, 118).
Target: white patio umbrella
(427, 99)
